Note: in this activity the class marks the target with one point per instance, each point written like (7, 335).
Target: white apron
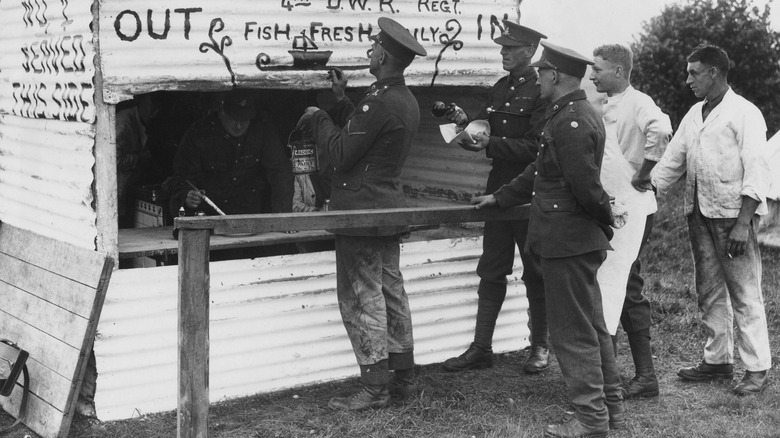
(616, 174)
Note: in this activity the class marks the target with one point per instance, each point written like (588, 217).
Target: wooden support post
(193, 409)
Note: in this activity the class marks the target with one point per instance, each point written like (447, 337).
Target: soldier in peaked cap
(569, 234)
(367, 155)
(235, 157)
(515, 112)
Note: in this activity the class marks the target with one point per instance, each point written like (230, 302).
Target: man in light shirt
(637, 135)
(721, 143)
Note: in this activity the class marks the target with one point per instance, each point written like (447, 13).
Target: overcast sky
(584, 24)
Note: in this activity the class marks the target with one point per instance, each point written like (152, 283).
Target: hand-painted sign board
(202, 44)
(46, 67)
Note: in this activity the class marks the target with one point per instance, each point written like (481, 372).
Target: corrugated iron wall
(275, 324)
(46, 115)
(436, 172)
(148, 45)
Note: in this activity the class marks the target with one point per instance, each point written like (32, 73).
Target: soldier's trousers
(373, 303)
(579, 334)
(636, 314)
(495, 263)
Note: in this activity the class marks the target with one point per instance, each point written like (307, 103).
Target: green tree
(738, 26)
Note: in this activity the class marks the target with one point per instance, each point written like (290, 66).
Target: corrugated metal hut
(67, 66)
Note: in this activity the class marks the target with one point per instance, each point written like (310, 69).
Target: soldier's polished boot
(479, 355)
(641, 387)
(645, 382)
(402, 381)
(475, 358)
(374, 394)
(403, 384)
(537, 361)
(575, 429)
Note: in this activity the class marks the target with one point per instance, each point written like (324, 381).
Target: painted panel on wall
(147, 45)
(47, 113)
(46, 60)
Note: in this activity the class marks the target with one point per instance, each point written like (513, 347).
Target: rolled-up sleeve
(754, 155)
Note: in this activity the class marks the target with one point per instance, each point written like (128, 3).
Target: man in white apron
(637, 135)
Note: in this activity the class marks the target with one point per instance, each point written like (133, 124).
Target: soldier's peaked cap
(562, 59)
(397, 40)
(238, 105)
(517, 35)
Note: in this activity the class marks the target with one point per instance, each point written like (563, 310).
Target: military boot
(537, 361)
(645, 382)
(402, 384)
(479, 355)
(374, 379)
(575, 429)
(475, 358)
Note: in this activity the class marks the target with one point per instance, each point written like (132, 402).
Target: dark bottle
(440, 109)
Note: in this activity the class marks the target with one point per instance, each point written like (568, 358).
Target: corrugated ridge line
(63, 229)
(302, 337)
(47, 153)
(227, 307)
(307, 291)
(69, 209)
(68, 136)
(45, 174)
(75, 173)
(72, 222)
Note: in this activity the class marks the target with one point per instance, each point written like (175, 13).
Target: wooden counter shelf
(159, 241)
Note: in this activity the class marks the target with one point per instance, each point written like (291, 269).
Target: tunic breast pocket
(217, 166)
(520, 105)
(547, 162)
(247, 160)
(561, 205)
(351, 181)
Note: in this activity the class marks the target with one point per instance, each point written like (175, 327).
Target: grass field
(503, 402)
